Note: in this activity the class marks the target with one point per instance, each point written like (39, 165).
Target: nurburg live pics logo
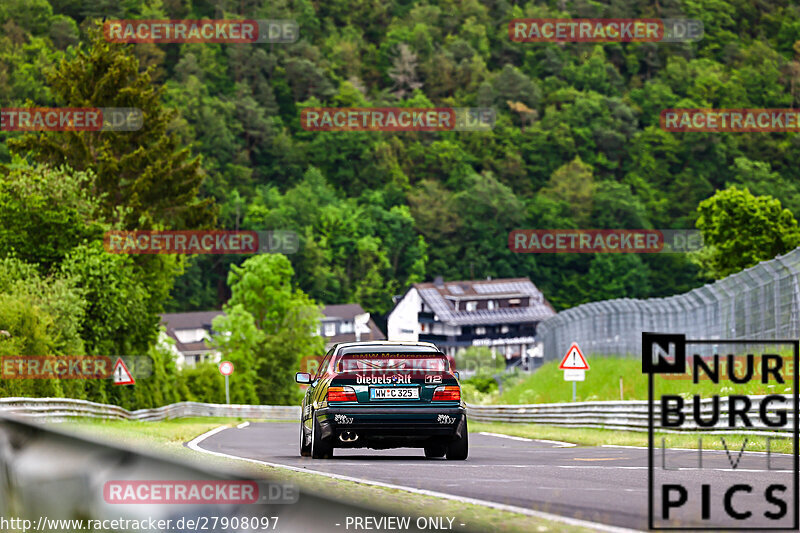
(744, 491)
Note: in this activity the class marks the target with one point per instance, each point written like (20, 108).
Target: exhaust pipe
(348, 436)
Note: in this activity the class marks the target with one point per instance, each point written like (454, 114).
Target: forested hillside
(577, 143)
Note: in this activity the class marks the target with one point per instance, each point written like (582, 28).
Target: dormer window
(471, 306)
(514, 302)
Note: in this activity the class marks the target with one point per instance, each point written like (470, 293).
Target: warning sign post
(574, 366)
(122, 376)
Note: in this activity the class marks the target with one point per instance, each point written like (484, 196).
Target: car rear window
(381, 362)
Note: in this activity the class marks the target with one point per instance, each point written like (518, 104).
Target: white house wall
(403, 322)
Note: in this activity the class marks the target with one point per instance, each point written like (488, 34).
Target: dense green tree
(576, 144)
(45, 213)
(144, 170)
(574, 185)
(267, 327)
(740, 230)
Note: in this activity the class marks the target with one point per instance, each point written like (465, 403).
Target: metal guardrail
(59, 408)
(630, 415)
(48, 475)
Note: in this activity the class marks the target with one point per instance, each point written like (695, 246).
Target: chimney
(438, 282)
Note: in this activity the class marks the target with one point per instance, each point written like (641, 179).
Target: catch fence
(761, 302)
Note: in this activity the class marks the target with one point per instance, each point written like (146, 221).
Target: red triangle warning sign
(122, 376)
(574, 360)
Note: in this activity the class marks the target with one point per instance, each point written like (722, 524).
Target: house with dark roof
(192, 331)
(501, 314)
(347, 323)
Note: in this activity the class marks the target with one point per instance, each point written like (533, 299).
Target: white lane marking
(558, 443)
(597, 489)
(195, 441)
(689, 449)
(594, 467)
(195, 445)
(243, 425)
(679, 468)
(604, 467)
(504, 436)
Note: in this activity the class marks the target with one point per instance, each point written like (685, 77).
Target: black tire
(435, 450)
(305, 449)
(320, 448)
(458, 449)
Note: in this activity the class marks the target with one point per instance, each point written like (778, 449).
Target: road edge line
(194, 444)
(691, 449)
(558, 443)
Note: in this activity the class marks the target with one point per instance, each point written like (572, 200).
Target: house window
(471, 306)
(504, 329)
(491, 305)
(480, 330)
(330, 329)
(347, 327)
(514, 302)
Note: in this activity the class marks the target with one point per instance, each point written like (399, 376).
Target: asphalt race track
(606, 485)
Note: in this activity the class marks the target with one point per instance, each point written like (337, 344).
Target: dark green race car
(382, 394)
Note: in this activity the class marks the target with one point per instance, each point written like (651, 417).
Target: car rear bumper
(414, 423)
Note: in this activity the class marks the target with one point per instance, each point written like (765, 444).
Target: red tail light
(448, 393)
(342, 394)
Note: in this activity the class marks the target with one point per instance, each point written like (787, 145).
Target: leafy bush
(479, 359)
(203, 383)
(484, 383)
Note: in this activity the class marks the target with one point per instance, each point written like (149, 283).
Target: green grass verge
(169, 436)
(547, 384)
(599, 437)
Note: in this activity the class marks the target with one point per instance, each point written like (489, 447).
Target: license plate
(394, 393)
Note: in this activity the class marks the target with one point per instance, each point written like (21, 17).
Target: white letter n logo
(663, 353)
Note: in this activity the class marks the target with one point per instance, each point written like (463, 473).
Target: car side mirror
(303, 378)
(456, 374)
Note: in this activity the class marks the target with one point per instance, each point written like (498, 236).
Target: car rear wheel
(305, 449)
(435, 450)
(320, 448)
(458, 449)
